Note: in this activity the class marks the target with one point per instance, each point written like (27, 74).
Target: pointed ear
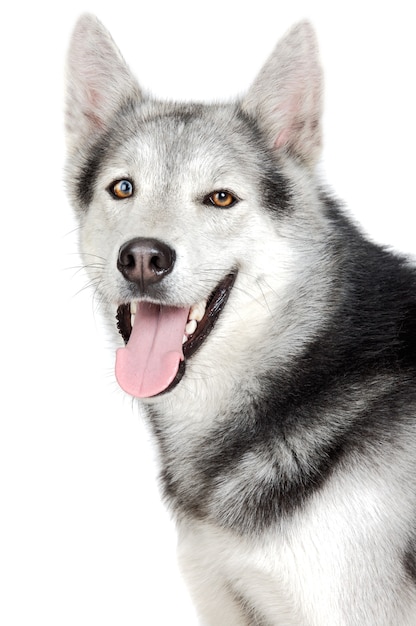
(286, 97)
(98, 81)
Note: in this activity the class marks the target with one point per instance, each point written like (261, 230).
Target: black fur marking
(275, 188)
(254, 506)
(409, 561)
(276, 192)
(85, 182)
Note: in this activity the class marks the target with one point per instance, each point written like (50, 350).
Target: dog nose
(145, 261)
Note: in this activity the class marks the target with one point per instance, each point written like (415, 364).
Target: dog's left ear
(98, 82)
(286, 97)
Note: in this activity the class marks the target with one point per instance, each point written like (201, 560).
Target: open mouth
(159, 339)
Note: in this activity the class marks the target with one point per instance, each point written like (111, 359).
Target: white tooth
(132, 318)
(197, 311)
(184, 339)
(133, 308)
(191, 327)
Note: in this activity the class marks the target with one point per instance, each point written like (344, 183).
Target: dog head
(187, 211)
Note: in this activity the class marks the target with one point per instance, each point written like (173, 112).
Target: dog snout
(145, 261)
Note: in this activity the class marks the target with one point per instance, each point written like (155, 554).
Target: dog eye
(121, 189)
(222, 199)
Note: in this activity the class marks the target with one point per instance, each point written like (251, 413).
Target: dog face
(187, 185)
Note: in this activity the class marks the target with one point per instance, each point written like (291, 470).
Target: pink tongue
(150, 361)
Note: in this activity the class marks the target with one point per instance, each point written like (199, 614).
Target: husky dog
(272, 346)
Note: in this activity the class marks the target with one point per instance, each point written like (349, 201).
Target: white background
(83, 537)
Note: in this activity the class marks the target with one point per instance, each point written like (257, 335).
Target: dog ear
(286, 97)
(98, 81)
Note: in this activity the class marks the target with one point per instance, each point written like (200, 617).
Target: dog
(271, 344)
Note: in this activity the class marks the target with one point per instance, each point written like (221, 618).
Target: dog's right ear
(98, 81)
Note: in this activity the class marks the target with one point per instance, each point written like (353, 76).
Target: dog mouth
(160, 339)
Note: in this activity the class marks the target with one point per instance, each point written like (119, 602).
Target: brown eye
(121, 189)
(221, 199)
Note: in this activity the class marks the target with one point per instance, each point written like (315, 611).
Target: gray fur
(288, 446)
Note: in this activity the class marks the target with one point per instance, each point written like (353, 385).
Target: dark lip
(215, 305)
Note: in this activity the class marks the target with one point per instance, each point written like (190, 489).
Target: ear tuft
(98, 80)
(286, 97)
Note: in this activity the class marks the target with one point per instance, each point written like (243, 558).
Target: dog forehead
(194, 137)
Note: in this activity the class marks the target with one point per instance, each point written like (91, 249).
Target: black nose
(145, 261)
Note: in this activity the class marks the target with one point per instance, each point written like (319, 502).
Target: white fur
(311, 570)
